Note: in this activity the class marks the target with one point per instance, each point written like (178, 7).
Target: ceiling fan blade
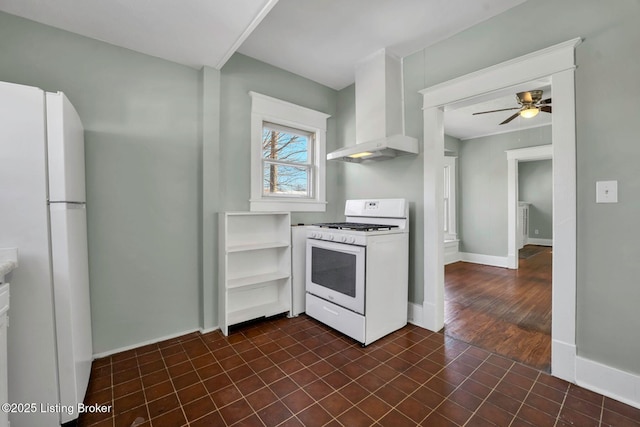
(546, 108)
(546, 101)
(495, 111)
(510, 118)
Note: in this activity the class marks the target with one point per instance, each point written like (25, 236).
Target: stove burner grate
(356, 226)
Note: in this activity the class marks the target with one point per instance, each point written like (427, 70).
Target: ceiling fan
(531, 103)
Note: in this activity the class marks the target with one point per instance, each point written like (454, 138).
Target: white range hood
(379, 108)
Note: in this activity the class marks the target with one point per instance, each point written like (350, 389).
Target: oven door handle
(335, 313)
(335, 246)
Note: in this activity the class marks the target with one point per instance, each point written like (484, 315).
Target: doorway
(502, 310)
(556, 62)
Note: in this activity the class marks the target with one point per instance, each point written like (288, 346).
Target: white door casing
(557, 63)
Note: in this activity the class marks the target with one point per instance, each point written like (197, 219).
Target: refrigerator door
(24, 224)
(65, 147)
(71, 299)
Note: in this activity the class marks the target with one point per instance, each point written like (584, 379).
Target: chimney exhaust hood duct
(379, 113)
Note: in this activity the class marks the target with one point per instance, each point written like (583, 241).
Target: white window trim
(452, 234)
(267, 109)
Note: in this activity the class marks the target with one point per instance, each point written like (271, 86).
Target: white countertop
(8, 261)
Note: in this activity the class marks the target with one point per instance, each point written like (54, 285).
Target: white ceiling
(321, 40)
(189, 32)
(324, 39)
(318, 39)
(460, 122)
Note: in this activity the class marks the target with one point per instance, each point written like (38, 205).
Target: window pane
(446, 215)
(286, 180)
(446, 181)
(288, 145)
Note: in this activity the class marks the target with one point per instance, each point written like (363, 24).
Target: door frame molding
(529, 154)
(556, 63)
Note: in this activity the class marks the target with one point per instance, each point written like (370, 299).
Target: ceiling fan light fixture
(530, 112)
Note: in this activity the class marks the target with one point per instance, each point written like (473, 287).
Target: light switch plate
(606, 191)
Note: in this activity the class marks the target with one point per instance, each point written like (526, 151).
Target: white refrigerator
(42, 213)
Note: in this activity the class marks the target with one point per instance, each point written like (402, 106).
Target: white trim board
(539, 242)
(492, 260)
(451, 251)
(556, 63)
(415, 314)
(614, 383)
(267, 109)
(143, 343)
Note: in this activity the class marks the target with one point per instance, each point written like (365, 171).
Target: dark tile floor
(298, 372)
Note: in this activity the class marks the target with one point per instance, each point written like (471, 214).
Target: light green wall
(141, 128)
(167, 147)
(240, 75)
(397, 178)
(607, 129)
(482, 199)
(142, 117)
(227, 146)
(535, 185)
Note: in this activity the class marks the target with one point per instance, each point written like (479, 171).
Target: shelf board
(258, 279)
(257, 246)
(262, 310)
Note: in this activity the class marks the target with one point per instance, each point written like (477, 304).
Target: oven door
(335, 272)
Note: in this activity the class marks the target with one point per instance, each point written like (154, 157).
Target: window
(288, 156)
(287, 161)
(450, 232)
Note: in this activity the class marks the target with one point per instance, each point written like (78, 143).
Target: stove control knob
(352, 239)
(313, 235)
(343, 239)
(329, 236)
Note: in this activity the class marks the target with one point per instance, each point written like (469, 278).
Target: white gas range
(357, 271)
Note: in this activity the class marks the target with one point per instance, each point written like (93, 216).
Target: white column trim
(433, 305)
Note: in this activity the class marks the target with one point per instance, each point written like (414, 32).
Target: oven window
(334, 270)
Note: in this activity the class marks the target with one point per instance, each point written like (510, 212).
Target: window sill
(280, 205)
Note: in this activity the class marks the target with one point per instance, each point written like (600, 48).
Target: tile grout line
(146, 403)
(201, 381)
(174, 386)
(395, 357)
(525, 398)
(253, 411)
(485, 360)
(371, 393)
(564, 399)
(335, 391)
(432, 376)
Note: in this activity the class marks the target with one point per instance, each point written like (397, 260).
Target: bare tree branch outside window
(286, 162)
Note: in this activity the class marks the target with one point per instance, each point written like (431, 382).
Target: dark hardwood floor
(504, 311)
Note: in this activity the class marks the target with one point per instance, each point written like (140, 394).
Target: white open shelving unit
(254, 267)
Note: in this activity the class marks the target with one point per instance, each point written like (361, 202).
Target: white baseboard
(415, 314)
(614, 383)
(539, 242)
(563, 360)
(207, 330)
(430, 314)
(450, 259)
(143, 343)
(496, 261)
(451, 251)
